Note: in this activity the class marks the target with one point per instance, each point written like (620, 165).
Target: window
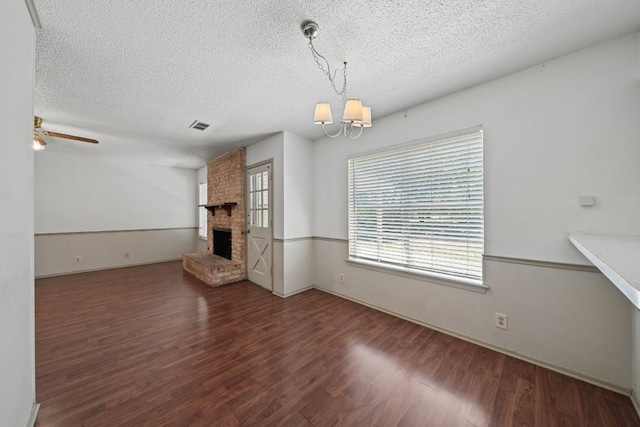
(418, 207)
(202, 212)
(259, 197)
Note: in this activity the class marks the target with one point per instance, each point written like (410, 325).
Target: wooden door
(259, 225)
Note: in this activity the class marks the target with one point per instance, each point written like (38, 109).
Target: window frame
(258, 197)
(365, 259)
(202, 212)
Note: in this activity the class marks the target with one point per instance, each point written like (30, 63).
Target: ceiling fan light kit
(39, 143)
(355, 116)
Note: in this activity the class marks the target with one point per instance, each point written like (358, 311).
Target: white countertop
(618, 257)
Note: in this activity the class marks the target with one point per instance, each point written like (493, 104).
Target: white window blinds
(419, 206)
(202, 212)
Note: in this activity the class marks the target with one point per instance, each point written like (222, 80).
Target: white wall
(552, 133)
(298, 187)
(17, 365)
(101, 209)
(84, 193)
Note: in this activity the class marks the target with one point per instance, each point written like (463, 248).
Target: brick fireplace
(226, 205)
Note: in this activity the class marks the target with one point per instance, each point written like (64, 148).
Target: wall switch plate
(501, 321)
(586, 200)
(341, 278)
(78, 259)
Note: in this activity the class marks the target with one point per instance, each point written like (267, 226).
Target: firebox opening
(222, 242)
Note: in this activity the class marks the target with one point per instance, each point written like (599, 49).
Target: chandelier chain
(327, 72)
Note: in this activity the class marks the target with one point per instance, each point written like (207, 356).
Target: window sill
(469, 285)
(202, 238)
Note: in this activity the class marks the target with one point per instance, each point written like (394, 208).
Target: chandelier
(355, 116)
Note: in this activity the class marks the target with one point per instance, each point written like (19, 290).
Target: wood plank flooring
(152, 346)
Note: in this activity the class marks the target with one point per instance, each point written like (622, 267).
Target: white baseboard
(299, 291)
(34, 414)
(490, 346)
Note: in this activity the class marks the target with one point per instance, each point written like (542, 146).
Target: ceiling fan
(39, 143)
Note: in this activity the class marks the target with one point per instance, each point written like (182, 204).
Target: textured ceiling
(136, 74)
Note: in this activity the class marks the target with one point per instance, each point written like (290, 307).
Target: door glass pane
(258, 199)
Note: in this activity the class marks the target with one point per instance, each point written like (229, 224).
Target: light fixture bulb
(38, 143)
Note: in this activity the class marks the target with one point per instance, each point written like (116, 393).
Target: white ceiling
(136, 74)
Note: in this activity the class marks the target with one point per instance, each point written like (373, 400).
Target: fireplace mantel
(226, 206)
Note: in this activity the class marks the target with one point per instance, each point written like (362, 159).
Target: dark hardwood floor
(152, 346)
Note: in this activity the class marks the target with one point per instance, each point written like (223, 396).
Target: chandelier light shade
(366, 118)
(323, 114)
(352, 111)
(355, 115)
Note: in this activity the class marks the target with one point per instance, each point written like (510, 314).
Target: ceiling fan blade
(64, 135)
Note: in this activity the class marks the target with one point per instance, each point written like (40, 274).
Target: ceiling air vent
(199, 125)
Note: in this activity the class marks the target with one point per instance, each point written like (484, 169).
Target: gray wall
(17, 366)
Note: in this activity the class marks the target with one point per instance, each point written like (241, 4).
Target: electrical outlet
(126, 255)
(78, 259)
(341, 278)
(501, 321)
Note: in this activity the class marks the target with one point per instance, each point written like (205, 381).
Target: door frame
(268, 162)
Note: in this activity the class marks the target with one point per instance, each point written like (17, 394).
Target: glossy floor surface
(152, 346)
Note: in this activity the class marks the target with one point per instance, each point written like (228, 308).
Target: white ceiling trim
(35, 18)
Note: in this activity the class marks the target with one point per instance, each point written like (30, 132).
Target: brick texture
(212, 269)
(226, 177)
